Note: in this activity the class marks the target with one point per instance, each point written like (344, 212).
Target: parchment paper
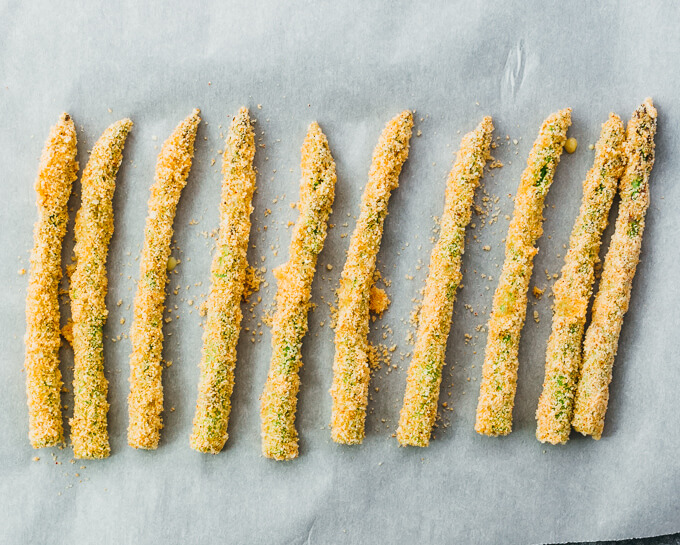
(351, 66)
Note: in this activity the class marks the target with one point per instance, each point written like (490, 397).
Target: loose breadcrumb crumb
(378, 301)
(67, 332)
(351, 372)
(231, 280)
(252, 281)
(279, 398)
(93, 231)
(573, 290)
(378, 355)
(58, 169)
(419, 409)
(613, 297)
(499, 375)
(145, 402)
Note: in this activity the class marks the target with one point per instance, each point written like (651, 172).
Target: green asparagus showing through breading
(279, 398)
(419, 409)
(499, 375)
(351, 373)
(228, 277)
(93, 231)
(145, 403)
(58, 169)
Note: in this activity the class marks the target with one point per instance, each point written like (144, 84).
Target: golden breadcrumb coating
(228, 280)
(279, 398)
(499, 375)
(611, 302)
(93, 231)
(574, 288)
(419, 410)
(58, 169)
(145, 402)
(351, 372)
(378, 301)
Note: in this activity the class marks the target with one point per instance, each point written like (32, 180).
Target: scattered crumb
(67, 331)
(252, 282)
(378, 355)
(378, 301)
(538, 293)
(268, 318)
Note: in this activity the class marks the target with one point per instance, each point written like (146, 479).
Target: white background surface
(351, 67)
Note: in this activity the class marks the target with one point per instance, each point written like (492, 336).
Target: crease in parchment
(513, 72)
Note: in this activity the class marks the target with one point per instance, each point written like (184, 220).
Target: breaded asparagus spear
(350, 366)
(93, 231)
(574, 288)
(499, 375)
(58, 169)
(228, 273)
(611, 302)
(419, 410)
(145, 402)
(279, 398)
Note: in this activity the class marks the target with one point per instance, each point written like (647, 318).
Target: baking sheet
(351, 68)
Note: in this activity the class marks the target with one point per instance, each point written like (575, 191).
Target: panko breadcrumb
(58, 169)
(351, 371)
(419, 409)
(573, 290)
(93, 231)
(613, 297)
(145, 402)
(229, 276)
(378, 301)
(499, 374)
(279, 398)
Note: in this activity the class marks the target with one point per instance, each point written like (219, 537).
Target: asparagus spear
(279, 398)
(58, 169)
(350, 366)
(145, 402)
(499, 380)
(419, 410)
(93, 231)
(228, 273)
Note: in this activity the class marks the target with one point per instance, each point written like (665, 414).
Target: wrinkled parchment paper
(351, 66)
